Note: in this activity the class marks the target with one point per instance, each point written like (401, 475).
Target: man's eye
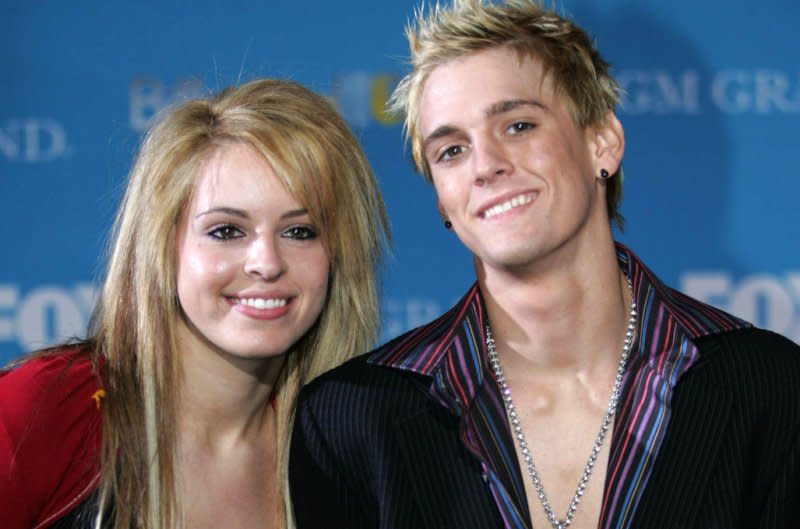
(300, 233)
(225, 232)
(450, 153)
(520, 126)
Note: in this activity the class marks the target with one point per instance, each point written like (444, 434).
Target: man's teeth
(517, 201)
(261, 303)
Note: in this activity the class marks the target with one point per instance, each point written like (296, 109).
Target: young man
(569, 387)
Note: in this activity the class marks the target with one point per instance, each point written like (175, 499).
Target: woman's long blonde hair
(134, 327)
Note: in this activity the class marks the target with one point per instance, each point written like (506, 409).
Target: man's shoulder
(379, 377)
(357, 370)
(361, 377)
(406, 358)
(752, 359)
(750, 343)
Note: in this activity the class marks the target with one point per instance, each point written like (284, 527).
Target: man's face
(513, 172)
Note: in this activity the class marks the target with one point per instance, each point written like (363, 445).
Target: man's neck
(568, 317)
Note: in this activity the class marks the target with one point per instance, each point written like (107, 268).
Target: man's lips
(503, 205)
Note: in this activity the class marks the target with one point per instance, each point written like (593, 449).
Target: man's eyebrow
(495, 109)
(444, 130)
(507, 106)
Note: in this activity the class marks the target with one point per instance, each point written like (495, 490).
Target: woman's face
(252, 269)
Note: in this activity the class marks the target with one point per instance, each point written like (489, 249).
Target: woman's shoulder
(50, 427)
(52, 382)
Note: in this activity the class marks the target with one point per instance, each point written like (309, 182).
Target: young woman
(243, 264)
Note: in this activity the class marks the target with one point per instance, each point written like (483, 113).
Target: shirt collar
(449, 349)
(452, 348)
(695, 318)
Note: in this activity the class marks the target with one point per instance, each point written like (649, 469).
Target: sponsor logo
(148, 97)
(50, 314)
(402, 314)
(361, 98)
(756, 91)
(33, 140)
(730, 91)
(44, 315)
(659, 92)
(767, 301)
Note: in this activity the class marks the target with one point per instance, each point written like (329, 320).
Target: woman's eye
(226, 232)
(300, 233)
(520, 126)
(450, 153)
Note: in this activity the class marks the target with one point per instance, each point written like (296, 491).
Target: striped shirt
(452, 352)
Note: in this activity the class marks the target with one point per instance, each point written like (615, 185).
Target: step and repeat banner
(711, 113)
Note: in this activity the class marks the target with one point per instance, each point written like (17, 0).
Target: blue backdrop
(711, 118)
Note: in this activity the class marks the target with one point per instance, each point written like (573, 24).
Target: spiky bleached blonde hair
(438, 34)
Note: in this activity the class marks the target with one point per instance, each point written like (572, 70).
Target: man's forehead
(489, 83)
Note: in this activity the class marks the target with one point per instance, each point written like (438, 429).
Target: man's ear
(607, 141)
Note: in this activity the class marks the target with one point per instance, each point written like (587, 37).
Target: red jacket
(50, 427)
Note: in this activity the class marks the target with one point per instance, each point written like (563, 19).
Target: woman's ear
(442, 212)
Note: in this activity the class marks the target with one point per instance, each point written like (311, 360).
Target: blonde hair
(134, 327)
(579, 74)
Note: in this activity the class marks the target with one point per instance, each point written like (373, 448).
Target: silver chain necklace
(516, 425)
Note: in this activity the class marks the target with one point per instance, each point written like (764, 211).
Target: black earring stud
(604, 174)
(448, 225)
